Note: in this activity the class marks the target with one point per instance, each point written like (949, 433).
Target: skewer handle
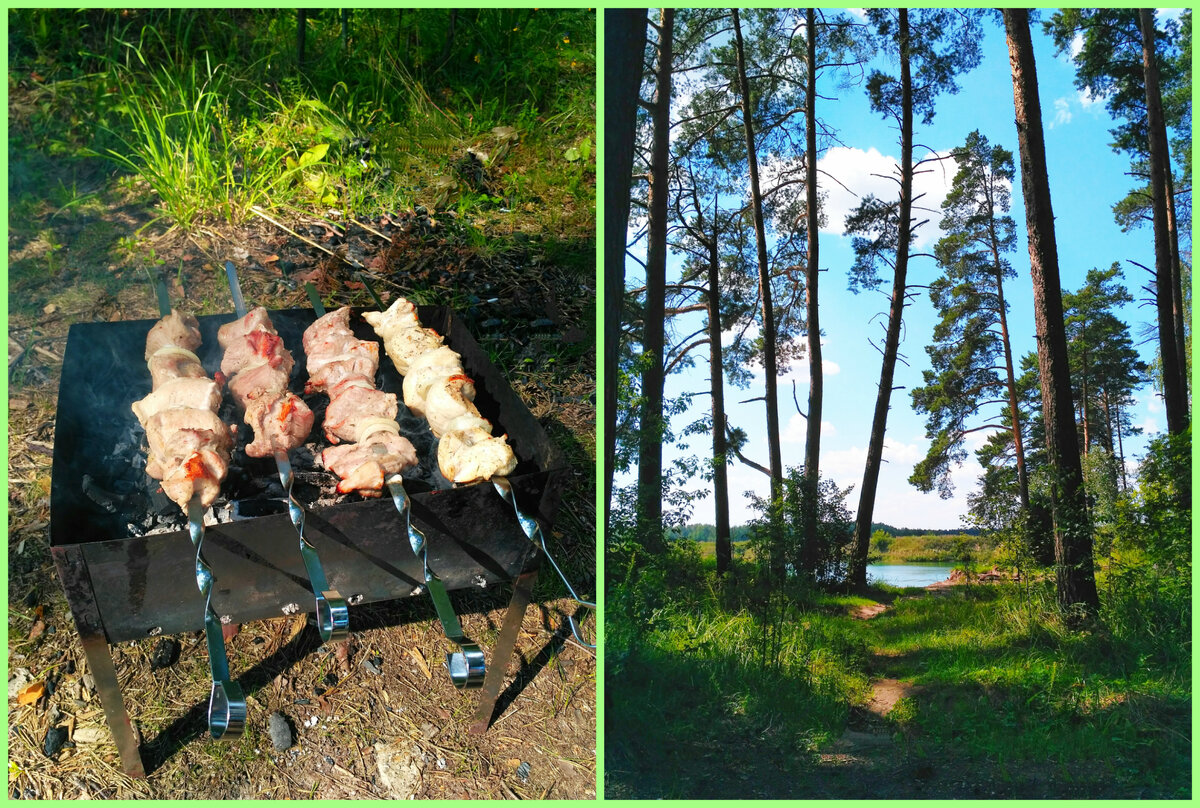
(226, 703)
(467, 665)
(534, 531)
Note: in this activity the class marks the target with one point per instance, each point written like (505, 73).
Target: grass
(1006, 697)
(213, 113)
(1009, 686)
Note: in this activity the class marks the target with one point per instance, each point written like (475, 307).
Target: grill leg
(77, 584)
(505, 644)
(100, 663)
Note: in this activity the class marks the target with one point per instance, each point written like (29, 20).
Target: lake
(909, 574)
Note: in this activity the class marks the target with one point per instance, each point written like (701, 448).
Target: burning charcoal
(281, 731)
(165, 654)
(56, 738)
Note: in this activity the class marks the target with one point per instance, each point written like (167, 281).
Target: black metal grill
(122, 548)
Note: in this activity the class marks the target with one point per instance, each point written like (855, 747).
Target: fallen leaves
(32, 694)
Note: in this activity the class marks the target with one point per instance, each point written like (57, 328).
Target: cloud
(851, 174)
(1062, 113)
(796, 430)
(1088, 100)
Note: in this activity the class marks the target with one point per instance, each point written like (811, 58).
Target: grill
(123, 551)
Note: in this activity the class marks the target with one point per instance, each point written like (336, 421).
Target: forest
(957, 242)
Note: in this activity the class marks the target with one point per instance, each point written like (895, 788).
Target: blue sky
(1086, 178)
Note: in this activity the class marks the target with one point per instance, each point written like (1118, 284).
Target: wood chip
(420, 660)
(36, 629)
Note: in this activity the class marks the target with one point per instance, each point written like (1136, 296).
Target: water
(909, 574)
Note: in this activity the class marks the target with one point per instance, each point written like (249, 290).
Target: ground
(387, 722)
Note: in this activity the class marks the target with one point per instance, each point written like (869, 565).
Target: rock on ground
(399, 765)
(280, 730)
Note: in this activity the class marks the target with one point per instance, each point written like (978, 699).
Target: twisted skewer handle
(333, 615)
(467, 665)
(226, 703)
(534, 531)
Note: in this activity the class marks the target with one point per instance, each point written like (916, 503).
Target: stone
(399, 766)
(280, 730)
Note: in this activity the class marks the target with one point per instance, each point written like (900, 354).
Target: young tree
(1105, 368)
(1074, 570)
(971, 335)
(932, 52)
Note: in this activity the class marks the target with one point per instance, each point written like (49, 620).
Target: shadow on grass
(706, 726)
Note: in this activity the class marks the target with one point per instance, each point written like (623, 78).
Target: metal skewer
(467, 666)
(226, 702)
(534, 531)
(528, 524)
(333, 615)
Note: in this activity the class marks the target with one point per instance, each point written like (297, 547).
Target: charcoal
(165, 654)
(56, 738)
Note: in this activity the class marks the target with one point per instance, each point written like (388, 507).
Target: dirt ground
(377, 717)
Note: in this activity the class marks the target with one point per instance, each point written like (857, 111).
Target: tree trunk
(717, 385)
(1074, 572)
(624, 42)
(1174, 382)
(764, 276)
(816, 379)
(891, 349)
(650, 443)
(1014, 411)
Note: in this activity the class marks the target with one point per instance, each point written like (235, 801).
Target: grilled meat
(189, 444)
(358, 414)
(436, 386)
(259, 365)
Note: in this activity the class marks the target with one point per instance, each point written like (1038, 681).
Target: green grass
(1008, 686)
(1005, 691)
(212, 112)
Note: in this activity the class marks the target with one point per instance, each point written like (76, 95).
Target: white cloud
(1076, 45)
(796, 430)
(1062, 113)
(851, 174)
(1088, 100)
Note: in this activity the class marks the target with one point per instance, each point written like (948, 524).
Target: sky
(1086, 179)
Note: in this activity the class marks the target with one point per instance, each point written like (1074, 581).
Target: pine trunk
(816, 379)
(1174, 382)
(650, 442)
(1074, 571)
(717, 385)
(891, 348)
(764, 275)
(625, 34)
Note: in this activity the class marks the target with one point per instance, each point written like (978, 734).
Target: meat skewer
(260, 367)
(436, 386)
(344, 366)
(189, 453)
